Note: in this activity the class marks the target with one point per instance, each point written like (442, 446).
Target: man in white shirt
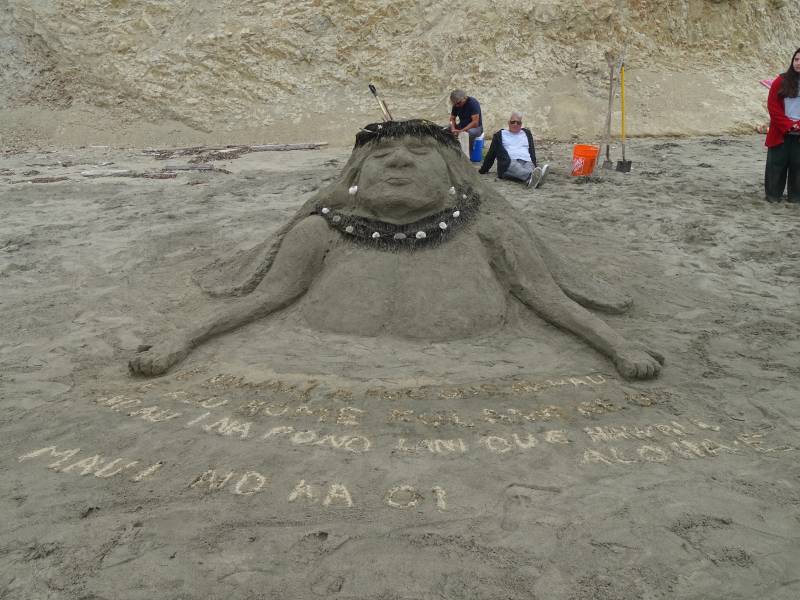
(515, 153)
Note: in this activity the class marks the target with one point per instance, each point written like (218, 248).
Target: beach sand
(281, 462)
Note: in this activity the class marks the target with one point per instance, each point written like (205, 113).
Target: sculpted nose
(399, 157)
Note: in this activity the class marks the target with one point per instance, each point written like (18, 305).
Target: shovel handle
(387, 116)
(622, 99)
(610, 108)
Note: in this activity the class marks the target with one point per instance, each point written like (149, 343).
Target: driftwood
(63, 163)
(128, 173)
(161, 154)
(204, 153)
(160, 175)
(227, 154)
(270, 147)
(108, 173)
(42, 180)
(197, 167)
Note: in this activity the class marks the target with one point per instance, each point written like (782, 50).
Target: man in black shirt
(465, 115)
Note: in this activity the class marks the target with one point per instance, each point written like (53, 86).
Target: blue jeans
(519, 169)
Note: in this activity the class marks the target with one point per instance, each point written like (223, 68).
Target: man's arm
(488, 160)
(531, 147)
(473, 123)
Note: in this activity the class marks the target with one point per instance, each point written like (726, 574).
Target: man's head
(458, 98)
(515, 122)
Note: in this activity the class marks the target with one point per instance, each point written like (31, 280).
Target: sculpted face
(403, 180)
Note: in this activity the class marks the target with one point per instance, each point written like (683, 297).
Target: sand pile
(156, 71)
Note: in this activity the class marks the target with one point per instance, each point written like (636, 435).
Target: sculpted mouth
(397, 180)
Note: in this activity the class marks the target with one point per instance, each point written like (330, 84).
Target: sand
(281, 462)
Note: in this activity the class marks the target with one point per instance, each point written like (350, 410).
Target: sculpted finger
(654, 369)
(144, 368)
(138, 365)
(657, 367)
(626, 369)
(657, 355)
(159, 366)
(642, 371)
(650, 371)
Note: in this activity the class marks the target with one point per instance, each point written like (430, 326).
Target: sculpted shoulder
(311, 230)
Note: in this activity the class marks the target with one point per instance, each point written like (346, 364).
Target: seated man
(465, 117)
(516, 156)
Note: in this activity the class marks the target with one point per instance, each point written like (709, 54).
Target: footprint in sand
(519, 499)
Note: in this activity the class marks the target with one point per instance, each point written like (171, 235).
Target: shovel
(623, 166)
(386, 114)
(607, 163)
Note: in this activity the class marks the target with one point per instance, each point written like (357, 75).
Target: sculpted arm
(519, 266)
(298, 261)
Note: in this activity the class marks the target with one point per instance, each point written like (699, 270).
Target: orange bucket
(583, 159)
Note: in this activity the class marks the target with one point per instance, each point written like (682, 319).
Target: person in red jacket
(783, 138)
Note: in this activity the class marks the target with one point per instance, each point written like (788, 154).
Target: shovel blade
(607, 164)
(624, 166)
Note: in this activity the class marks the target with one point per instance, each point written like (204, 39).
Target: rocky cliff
(179, 71)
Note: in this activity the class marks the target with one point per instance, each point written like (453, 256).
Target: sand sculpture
(408, 242)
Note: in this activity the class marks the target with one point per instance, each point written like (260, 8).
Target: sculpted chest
(438, 293)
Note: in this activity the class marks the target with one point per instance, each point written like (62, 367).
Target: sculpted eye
(419, 149)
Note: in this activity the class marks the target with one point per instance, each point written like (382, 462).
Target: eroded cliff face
(155, 71)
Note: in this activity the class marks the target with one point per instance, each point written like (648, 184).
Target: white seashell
(464, 196)
(442, 225)
(349, 229)
(336, 218)
(421, 235)
(457, 214)
(399, 236)
(325, 211)
(376, 235)
(353, 190)
(452, 191)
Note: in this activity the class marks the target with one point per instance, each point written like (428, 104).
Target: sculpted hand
(157, 360)
(635, 361)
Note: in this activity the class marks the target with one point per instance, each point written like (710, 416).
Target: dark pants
(783, 170)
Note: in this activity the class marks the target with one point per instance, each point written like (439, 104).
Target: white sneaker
(535, 178)
(545, 169)
(542, 172)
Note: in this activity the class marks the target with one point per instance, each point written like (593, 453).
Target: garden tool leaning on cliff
(623, 166)
(607, 163)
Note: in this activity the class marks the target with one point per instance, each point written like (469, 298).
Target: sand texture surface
(281, 462)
